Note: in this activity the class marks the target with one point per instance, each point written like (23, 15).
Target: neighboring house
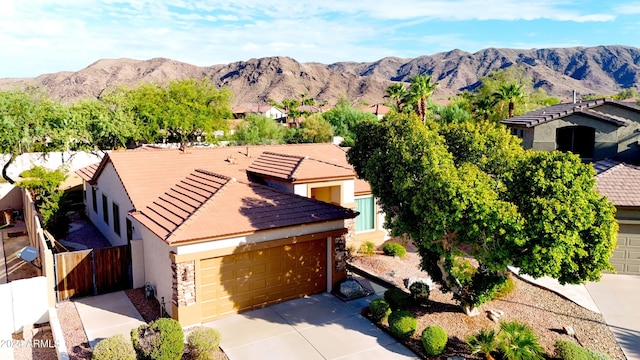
(620, 182)
(241, 112)
(595, 130)
(378, 110)
(222, 230)
(607, 133)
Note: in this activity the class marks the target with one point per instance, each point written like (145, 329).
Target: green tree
(510, 93)
(469, 189)
(344, 120)
(44, 186)
(259, 130)
(396, 92)
(419, 92)
(32, 122)
(314, 129)
(106, 122)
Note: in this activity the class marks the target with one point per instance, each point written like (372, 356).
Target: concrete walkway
(107, 315)
(618, 298)
(615, 296)
(316, 327)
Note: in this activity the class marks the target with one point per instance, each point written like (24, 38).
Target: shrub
(394, 249)
(568, 350)
(115, 347)
(505, 289)
(420, 292)
(162, 339)
(518, 341)
(483, 342)
(434, 340)
(396, 298)
(368, 248)
(203, 342)
(402, 324)
(379, 309)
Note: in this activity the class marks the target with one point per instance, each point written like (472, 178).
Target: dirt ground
(40, 346)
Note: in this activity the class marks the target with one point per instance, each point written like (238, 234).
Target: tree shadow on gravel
(551, 311)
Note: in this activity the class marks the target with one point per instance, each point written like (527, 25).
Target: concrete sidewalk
(107, 315)
(316, 327)
(617, 297)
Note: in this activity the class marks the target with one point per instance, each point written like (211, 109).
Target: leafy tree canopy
(465, 189)
(259, 130)
(344, 120)
(314, 129)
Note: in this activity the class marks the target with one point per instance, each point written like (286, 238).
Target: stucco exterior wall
(109, 184)
(157, 267)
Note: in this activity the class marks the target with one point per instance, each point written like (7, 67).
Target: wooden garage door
(254, 279)
(626, 258)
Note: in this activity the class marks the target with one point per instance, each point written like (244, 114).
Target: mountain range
(598, 70)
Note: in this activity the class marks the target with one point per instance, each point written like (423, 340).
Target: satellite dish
(28, 253)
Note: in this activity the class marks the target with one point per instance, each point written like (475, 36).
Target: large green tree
(396, 92)
(510, 93)
(469, 190)
(421, 88)
(259, 130)
(344, 120)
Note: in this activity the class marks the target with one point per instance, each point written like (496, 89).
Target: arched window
(579, 140)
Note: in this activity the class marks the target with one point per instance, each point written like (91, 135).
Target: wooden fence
(92, 272)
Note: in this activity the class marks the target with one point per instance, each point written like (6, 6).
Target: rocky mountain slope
(592, 70)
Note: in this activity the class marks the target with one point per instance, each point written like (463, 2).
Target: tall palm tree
(397, 93)
(510, 93)
(420, 90)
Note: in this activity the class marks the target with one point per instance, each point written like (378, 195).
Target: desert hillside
(592, 70)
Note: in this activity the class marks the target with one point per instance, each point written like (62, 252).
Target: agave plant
(518, 341)
(483, 342)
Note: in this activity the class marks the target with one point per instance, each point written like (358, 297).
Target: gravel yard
(546, 312)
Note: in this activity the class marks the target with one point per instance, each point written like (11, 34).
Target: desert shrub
(505, 289)
(379, 309)
(568, 350)
(115, 347)
(517, 341)
(368, 248)
(434, 340)
(396, 298)
(402, 324)
(420, 292)
(394, 249)
(483, 342)
(162, 339)
(203, 342)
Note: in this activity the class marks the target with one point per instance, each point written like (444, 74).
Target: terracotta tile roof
(150, 171)
(86, 173)
(586, 108)
(377, 109)
(297, 168)
(620, 182)
(205, 205)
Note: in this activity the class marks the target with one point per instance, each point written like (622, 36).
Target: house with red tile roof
(241, 112)
(378, 110)
(217, 231)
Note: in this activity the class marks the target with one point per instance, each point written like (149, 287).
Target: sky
(46, 36)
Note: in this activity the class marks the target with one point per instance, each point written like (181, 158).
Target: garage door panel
(626, 257)
(245, 281)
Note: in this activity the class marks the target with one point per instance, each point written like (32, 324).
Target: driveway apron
(315, 327)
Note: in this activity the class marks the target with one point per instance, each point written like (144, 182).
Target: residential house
(378, 110)
(595, 130)
(620, 182)
(241, 112)
(217, 231)
(607, 133)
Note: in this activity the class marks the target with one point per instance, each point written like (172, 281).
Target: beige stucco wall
(157, 266)
(109, 184)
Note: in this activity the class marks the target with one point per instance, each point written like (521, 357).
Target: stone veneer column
(184, 283)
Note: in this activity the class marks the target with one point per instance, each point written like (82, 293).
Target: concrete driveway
(618, 298)
(316, 327)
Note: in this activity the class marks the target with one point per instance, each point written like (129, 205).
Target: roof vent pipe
(575, 97)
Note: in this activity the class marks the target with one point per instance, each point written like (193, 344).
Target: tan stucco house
(217, 231)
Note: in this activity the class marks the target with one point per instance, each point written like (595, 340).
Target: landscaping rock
(350, 289)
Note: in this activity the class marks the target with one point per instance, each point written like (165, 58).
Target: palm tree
(483, 342)
(510, 93)
(397, 93)
(420, 90)
(484, 107)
